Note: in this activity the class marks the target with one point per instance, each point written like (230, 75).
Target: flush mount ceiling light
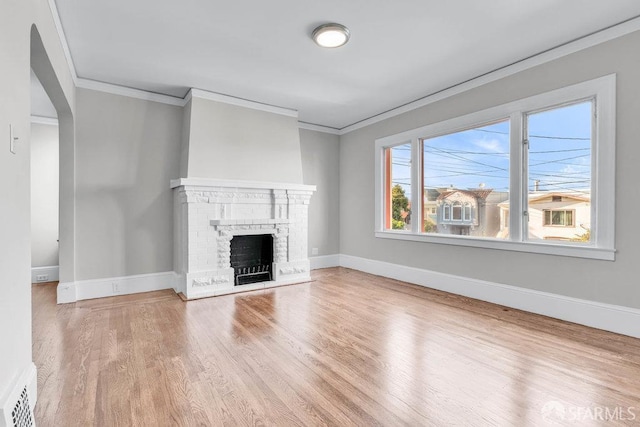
(331, 35)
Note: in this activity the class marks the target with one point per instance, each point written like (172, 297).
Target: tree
(399, 204)
(429, 226)
(584, 237)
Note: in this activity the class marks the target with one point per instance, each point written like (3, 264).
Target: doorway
(45, 194)
(46, 75)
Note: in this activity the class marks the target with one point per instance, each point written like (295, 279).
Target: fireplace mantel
(216, 222)
(208, 213)
(234, 183)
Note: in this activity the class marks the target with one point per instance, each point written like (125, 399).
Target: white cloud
(493, 145)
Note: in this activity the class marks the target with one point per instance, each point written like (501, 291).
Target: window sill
(560, 249)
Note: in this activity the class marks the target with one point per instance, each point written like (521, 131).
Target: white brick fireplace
(208, 213)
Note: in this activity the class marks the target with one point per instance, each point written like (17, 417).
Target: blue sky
(559, 154)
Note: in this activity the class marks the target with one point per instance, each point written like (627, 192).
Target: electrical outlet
(12, 140)
(314, 251)
(42, 278)
(116, 287)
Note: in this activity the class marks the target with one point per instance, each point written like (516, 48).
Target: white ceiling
(399, 51)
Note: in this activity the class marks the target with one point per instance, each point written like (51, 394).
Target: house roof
(580, 196)
(479, 194)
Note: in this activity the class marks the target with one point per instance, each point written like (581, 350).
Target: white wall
(602, 281)
(321, 167)
(127, 151)
(44, 195)
(41, 105)
(16, 19)
(233, 142)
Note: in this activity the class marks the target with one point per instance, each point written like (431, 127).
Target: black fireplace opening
(251, 258)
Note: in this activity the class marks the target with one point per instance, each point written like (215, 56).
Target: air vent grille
(21, 414)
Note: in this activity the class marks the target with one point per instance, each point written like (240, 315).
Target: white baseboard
(609, 317)
(100, 288)
(324, 261)
(50, 273)
(27, 378)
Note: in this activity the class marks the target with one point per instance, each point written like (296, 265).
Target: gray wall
(321, 167)
(44, 195)
(127, 152)
(231, 142)
(16, 20)
(604, 281)
(184, 140)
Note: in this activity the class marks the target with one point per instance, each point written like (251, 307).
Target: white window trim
(602, 245)
(466, 207)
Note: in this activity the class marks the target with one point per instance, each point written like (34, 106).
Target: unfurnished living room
(319, 213)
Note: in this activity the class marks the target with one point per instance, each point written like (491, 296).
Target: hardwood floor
(346, 349)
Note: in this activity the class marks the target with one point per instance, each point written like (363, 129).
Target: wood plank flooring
(346, 349)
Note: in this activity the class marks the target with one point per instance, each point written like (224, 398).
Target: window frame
(388, 188)
(551, 224)
(455, 205)
(466, 208)
(602, 245)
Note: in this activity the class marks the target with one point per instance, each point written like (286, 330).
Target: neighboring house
(472, 212)
(430, 206)
(554, 215)
(406, 216)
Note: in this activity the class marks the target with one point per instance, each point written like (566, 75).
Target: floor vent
(21, 414)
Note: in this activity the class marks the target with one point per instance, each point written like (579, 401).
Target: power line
(560, 160)
(469, 160)
(506, 153)
(559, 151)
(554, 184)
(480, 153)
(542, 172)
(569, 138)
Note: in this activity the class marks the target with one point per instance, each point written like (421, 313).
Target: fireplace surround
(208, 213)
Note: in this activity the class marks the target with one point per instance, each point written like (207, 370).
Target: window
(534, 175)
(467, 212)
(559, 218)
(457, 211)
(397, 187)
(472, 165)
(559, 167)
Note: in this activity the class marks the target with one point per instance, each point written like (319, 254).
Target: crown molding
(318, 128)
(557, 52)
(44, 120)
(602, 36)
(63, 41)
(130, 92)
(240, 102)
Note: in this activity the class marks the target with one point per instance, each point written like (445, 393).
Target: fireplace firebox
(251, 258)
